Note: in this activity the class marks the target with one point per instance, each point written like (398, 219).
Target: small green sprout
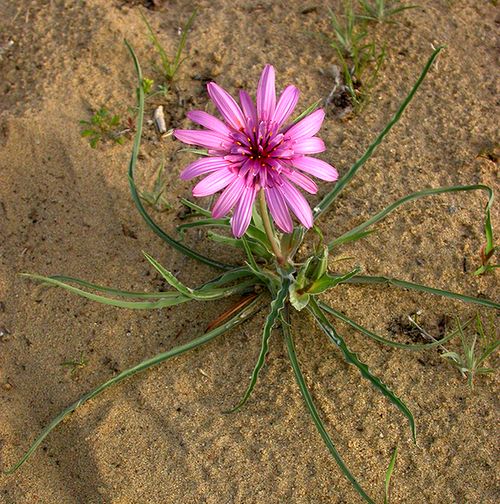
(169, 65)
(76, 364)
(104, 126)
(349, 34)
(156, 197)
(476, 347)
(388, 476)
(147, 85)
(381, 11)
(360, 59)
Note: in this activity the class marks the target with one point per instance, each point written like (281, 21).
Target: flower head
(254, 149)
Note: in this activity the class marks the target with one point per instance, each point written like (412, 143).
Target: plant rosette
(260, 160)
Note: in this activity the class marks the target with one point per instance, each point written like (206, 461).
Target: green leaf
(240, 317)
(352, 358)
(359, 230)
(388, 475)
(328, 281)
(88, 132)
(200, 152)
(196, 208)
(163, 299)
(182, 43)
(227, 277)
(330, 197)
(365, 279)
(307, 111)
(223, 279)
(199, 295)
(204, 223)
(314, 412)
(248, 252)
(133, 189)
(298, 297)
(277, 305)
(380, 339)
(256, 247)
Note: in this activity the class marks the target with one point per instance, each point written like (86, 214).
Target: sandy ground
(161, 437)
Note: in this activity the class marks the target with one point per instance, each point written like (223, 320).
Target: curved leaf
(276, 306)
(330, 197)
(365, 279)
(236, 320)
(352, 358)
(315, 415)
(380, 339)
(133, 189)
(359, 231)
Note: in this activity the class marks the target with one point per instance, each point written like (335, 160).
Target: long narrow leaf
(414, 196)
(380, 339)
(352, 358)
(199, 295)
(204, 223)
(252, 231)
(233, 322)
(388, 475)
(225, 278)
(159, 300)
(182, 43)
(165, 60)
(166, 298)
(276, 306)
(307, 111)
(109, 290)
(314, 412)
(248, 252)
(133, 189)
(344, 180)
(365, 279)
(257, 247)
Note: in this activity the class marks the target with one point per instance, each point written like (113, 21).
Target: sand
(65, 208)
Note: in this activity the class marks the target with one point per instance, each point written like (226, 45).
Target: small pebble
(7, 386)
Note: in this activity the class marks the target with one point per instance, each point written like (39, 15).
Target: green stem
(268, 228)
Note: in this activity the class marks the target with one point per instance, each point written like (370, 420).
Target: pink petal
(243, 212)
(286, 104)
(208, 139)
(203, 166)
(297, 203)
(302, 181)
(227, 106)
(266, 94)
(306, 127)
(248, 106)
(316, 167)
(208, 121)
(214, 182)
(228, 198)
(312, 145)
(278, 209)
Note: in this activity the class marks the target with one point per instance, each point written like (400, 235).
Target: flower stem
(268, 228)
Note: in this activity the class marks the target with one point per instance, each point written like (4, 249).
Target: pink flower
(253, 149)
